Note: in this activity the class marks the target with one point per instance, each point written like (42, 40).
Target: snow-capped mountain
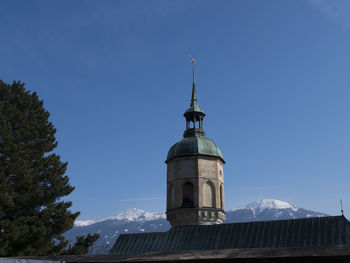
(129, 215)
(137, 221)
(270, 204)
(130, 221)
(268, 209)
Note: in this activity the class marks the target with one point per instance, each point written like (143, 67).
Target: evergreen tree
(32, 180)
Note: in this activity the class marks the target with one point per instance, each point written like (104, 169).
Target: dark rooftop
(306, 232)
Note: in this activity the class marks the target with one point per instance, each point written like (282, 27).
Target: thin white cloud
(335, 10)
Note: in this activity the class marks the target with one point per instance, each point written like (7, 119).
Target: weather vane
(192, 60)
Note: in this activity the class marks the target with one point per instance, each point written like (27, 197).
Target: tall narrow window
(187, 195)
(208, 194)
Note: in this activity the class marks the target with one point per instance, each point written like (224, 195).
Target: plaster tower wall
(206, 175)
(201, 204)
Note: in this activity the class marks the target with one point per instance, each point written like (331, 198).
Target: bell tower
(195, 179)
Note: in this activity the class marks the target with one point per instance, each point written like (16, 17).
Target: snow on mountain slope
(270, 204)
(268, 209)
(84, 222)
(263, 204)
(134, 214)
(130, 215)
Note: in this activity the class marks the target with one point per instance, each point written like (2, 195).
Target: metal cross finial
(193, 62)
(341, 207)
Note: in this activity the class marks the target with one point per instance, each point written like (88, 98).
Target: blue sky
(272, 76)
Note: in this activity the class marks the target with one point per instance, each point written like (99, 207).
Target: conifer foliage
(33, 217)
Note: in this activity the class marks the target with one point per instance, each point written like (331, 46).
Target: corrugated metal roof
(306, 232)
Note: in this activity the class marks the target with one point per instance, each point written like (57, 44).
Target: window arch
(187, 195)
(209, 194)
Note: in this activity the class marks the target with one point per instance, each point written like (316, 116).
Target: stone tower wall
(205, 176)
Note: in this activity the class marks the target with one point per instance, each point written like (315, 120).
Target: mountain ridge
(132, 214)
(135, 214)
(137, 221)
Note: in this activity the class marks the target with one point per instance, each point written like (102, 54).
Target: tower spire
(194, 94)
(194, 114)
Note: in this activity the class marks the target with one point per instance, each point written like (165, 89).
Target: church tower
(195, 178)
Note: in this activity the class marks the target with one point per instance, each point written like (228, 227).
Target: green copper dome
(194, 141)
(196, 145)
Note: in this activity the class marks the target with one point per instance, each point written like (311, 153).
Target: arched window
(209, 194)
(187, 195)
